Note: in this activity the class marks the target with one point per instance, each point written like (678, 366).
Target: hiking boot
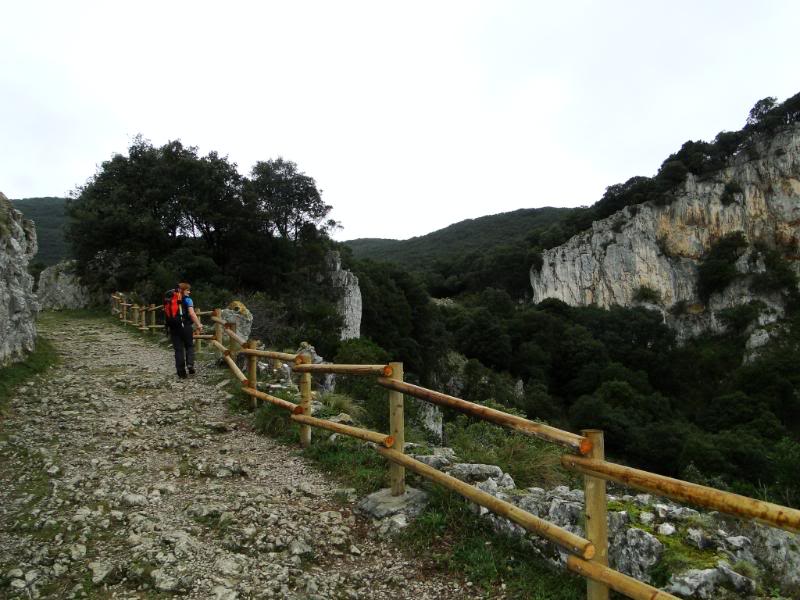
(182, 374)
(191, 370)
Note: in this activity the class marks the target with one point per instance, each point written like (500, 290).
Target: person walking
(179, 314)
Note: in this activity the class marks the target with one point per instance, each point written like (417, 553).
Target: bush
(342, 403)
(728, 194)
(530, 461)
(646, 294)
(718, 270)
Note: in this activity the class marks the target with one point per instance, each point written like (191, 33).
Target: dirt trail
(119, 481)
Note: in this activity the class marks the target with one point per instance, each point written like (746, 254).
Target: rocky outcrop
(722, 556)
(59, 288)
(350, 297)
(238, 315)
(658, 248)
(18, 305)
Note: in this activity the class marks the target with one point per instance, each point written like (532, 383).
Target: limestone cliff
(350, 299)
(660, 247)
(18, 306)
(59, 288)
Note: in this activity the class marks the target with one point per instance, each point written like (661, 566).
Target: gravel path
(119, 481)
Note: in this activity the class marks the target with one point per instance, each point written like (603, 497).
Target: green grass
(531, 462)
(16, 374)
(349, 461)
(462, 543)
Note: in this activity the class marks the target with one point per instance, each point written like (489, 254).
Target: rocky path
(119, 481)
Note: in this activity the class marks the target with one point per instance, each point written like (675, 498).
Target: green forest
(161, 214)
(49, 216)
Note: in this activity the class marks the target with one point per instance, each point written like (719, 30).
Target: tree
(760, 110)
(286, 198)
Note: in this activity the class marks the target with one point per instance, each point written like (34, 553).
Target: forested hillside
(49, 215)
(458, 239)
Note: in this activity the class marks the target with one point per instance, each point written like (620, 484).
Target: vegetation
(16, 374)
(49, 216)
(160, 215)
(718, 269)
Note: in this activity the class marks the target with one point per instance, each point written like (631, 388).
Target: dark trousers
(183, 343)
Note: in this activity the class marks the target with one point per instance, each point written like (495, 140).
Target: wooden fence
(585, 454)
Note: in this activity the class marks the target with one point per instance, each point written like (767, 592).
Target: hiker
(179, 315)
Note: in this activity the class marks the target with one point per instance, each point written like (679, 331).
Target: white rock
(666, 529)
(100, 571)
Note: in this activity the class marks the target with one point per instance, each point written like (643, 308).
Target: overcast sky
(409, 115)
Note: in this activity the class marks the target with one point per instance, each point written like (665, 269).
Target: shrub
(778, 276)
(342, 403)
(647, 294)
(718, 270)
(528, 460)
(731, 189)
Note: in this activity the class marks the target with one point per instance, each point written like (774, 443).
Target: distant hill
(459, 239)
(49, 216)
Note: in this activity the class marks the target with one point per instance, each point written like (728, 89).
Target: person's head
(185, 288)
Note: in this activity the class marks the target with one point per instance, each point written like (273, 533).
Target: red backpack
(173, 308)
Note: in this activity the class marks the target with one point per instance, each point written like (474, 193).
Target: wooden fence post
(305, 402)
(142, 325)
(135, 319)
(397, 473)
(123, 315)
(199, 318)
(217, 326)
(153, 317)
(252, 370)
(596, 516)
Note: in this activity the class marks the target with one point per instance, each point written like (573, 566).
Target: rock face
(18, 305)
(238, 314)
(350, 300)
(59, 288)
(659, 247)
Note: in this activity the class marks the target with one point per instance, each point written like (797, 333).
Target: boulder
(60, 288)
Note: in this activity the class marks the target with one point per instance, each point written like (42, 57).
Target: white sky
(410, 115)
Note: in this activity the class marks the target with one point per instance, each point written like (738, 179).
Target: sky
(409, 115)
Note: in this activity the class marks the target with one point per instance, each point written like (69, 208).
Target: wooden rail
(270, 354)
(588, 557)
(381, 370)
(569, 440)
(775, 515)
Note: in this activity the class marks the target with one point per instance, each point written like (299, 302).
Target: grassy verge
(14, 375)
(460, 542)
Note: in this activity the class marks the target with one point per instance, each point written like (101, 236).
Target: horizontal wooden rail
(290, 406)
(632, 588)
(203, 313)
(219, 320)
(220, 347)
(269, 354)
(236, 370)
(691, 493)
(363, 434)
(381, 370)
(569, 541)
(573, 441)
(204, 336)
(234, 336)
